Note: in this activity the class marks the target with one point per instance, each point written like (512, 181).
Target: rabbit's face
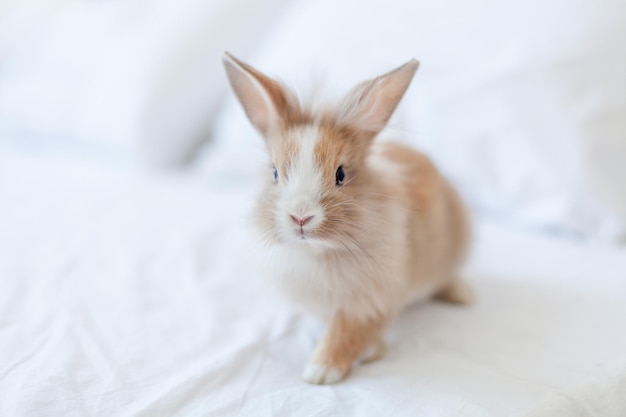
(316, 193)
(313, 185)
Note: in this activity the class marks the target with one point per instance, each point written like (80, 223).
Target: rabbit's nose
(300, 221)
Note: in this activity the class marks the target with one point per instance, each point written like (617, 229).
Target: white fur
(301, 191)
(321, 374)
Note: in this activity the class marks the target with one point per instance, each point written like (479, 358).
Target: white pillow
(522, 104)
(129, 76)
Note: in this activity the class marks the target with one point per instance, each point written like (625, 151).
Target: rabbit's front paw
(320, 374)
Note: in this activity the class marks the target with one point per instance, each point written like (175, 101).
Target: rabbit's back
(437, 229)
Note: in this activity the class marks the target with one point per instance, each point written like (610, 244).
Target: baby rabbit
(357, 229)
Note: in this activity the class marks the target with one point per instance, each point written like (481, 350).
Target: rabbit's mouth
(304, 229)
(302, 234)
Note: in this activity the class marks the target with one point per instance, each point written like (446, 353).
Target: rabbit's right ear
(263, 99)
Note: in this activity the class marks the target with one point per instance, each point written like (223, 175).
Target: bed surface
(132, 294)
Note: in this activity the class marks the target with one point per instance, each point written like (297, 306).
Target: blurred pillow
(522, 104)
(138, 76)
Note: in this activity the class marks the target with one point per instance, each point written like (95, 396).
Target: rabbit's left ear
(264, 100)
(369, 105)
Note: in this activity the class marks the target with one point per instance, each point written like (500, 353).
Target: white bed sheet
(126, 294)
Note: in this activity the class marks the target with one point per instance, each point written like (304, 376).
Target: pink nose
(301, 221)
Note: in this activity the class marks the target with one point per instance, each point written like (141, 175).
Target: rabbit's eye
(275, 174)
(340, 176)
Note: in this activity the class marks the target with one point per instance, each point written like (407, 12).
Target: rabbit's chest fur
(324, 284)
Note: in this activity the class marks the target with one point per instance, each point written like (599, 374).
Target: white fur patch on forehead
(305, 177)
(304, 164)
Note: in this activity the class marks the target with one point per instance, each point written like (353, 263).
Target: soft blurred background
(126, 168)
(522, 103)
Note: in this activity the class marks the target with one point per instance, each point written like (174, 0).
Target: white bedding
(130, 294)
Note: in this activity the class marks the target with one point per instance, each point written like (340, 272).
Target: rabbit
(357, 228)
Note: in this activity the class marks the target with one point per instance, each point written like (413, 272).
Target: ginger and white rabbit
(357, 229)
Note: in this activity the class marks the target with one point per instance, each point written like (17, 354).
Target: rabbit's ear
(263, 99)
(369, 105)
